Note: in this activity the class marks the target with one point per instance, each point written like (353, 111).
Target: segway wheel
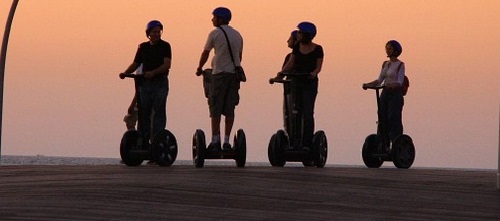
(199, 146)
(270, 150)
(320, 149)
(403, 152)
(128, 143)
(369, 149)
(240, 146)
(276, 148)
(164, 148)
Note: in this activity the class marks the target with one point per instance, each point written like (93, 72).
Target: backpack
(406, 85)
(406, 80)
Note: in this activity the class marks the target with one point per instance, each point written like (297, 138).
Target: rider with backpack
(392, 77)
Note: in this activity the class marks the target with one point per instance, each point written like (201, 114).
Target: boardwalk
(117, 192)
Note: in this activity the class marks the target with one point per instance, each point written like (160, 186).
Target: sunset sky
(63, 97)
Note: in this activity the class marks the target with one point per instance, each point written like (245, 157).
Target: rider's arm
(203, 60)
(289, 65)
(131, 68)
(319, 64)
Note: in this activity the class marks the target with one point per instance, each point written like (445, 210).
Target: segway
(134, 148)
(238, 150)
(377, 147)
(286, 145)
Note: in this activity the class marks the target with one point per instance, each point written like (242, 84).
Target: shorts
(224, 95)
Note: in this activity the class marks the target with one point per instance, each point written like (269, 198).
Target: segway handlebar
(281, 75)
(125, 75)
(373, 87)
(204, 72)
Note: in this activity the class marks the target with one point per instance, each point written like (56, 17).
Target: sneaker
(227, 146)
(151, 162)
(214, 147)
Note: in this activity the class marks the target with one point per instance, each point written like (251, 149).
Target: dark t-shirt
(306, 63)
(151, 56)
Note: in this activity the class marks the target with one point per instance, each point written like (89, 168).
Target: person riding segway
(135, 147)
(151, 141)
(222, 93)
(389, 144)
(298, 142)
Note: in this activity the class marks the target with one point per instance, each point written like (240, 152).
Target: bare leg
(215, 126)
(229, 121)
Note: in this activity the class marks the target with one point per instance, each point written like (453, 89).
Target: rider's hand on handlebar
(199, 72)
(279, 76)
(370, 85)
(271, 80)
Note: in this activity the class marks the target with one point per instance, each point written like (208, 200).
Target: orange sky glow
(62, 96)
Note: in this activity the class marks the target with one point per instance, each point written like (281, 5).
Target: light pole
(2, 62)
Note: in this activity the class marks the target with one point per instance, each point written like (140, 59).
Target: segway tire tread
(127, 144)
(369, 150)
(403, 152)
(164, 148)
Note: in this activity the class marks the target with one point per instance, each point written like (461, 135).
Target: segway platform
(201, 153)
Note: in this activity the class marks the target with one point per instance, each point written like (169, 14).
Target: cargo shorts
(224, 95)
